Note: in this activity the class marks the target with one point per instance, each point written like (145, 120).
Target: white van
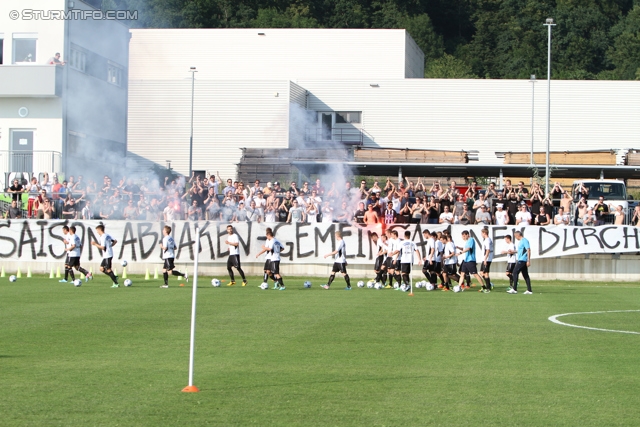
(613, 191)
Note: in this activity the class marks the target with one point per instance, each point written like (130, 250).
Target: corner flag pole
(191, 388)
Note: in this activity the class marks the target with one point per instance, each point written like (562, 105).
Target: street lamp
(193, 72)
(533, 81)
(549, 23)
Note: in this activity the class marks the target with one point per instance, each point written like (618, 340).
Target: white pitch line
(554, 319)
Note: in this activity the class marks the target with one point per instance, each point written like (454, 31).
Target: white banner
(41, 240)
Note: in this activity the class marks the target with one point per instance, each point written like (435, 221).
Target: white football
(12, 278)
(215, 283)
(77, 283)
(456, 288)
(264, 286)
(124, 263)
(307, 284)
(430, 287)
(128, 283)
(360, 284)
(418, 285)
(370, 284)
(404, 288)
(396, 285)
(378, 286)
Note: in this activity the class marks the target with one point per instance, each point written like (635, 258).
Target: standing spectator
(458, 209)
(561, 218)
(543, 218)
(69, 211)
(501, 217)
(313, 207)
(130, 211)
(241, 214)
(581, 191)
(228, 208)
(566, 202)
(195, 212)
(271, 209)
(358, 216)
(589, 220)
(255, 189)
(482, 216)
(508, 188)
(327, 213)
(253, 214)
(153, 212)
(371, 216)
(389, 215)
(296, 214)
(446, 217)
(229, 187)
(46, 183)
(433, 214)
(522, 192)
(14, 212)
(261, 203)
(537, 196)
(213, 209)
(618, 215)
(556, 194)
(601, 210)
(45, 209)
(285, 206)
(87, 210)
(343, 214)
(418, 210)
(523, 217)
(635, 219)
(581, 211)
(16, 191)
(467, 216)
(34, 190)
(513, 205)
(318, 188)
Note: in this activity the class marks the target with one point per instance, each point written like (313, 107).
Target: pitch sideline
(554, 319)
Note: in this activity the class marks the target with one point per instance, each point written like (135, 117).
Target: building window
(114, 74)
(348, 116)
(77, 59)
(24, 47)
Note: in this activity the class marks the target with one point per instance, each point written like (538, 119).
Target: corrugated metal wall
(228, 115)
(166, 54)
(413, 60)
(486, 115)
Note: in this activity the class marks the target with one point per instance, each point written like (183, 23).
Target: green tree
(448, 67)
(624, 53)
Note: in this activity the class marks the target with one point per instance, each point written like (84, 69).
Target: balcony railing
(347, 136)
(28, 162)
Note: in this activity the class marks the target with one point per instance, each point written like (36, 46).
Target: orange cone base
(190, 389)
(411, 294)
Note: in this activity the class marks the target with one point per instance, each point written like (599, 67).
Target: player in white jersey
(106, 246)
(407, 250)
(272, 247)
(449, 260)
(379, 266)
(234, 256)
(429, 268)
(73, 247)
(438, 255)
(168, 246)
(487, 250)
(510, 251)
(394, 253)
(388, 261)
(340, 262)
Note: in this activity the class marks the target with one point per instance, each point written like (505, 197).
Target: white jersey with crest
(233, 250)
(341, 254)
(450, 248)
(407, 249)
(431, 246)
(439, 250)
(75, 240)
(170, 247)
(105, 242)
(274, 247)
(487, 245)
(511, 258)
(392, 246)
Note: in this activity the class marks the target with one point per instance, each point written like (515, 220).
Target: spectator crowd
(232, 201)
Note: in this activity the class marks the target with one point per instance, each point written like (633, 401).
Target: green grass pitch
(96, 356)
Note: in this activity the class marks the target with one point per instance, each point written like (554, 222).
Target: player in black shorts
(340, 262)
(379, 266)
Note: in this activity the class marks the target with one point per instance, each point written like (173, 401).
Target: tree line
(498, 39)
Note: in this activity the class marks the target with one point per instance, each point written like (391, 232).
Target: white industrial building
(285, 88)
(60, 118)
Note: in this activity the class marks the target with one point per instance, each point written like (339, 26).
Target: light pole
(193, 72)
(533, 81)
(549, 23)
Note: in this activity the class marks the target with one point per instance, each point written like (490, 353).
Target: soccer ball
(128, 283)
(12, 278)
(430, 287)
(307, 284)
(457, 288)
(77, 283)
(124, 263)
(396, 285)
(371, 284)
(215, 283)
(360, 284)
(419, 285)
(264, 286)
(378, 286)
(404, 288)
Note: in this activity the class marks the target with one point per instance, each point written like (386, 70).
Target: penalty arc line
(554, 319)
